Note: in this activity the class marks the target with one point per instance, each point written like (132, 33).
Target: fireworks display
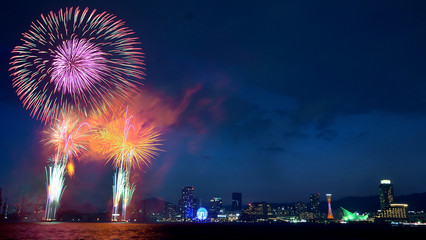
(117, 192)
(124, 140)
(69, 139)
(77, 63)
(76, 60)
(55, 179)
(128, 144)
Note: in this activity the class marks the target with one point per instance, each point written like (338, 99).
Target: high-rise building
(330, 213)
(314, 203)
(215, 206)
(386, 193)
(236, 201)
(187, 203)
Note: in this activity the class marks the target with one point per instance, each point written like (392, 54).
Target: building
(237, 201)
(314, 200)
(306, 215)
(393, 212)
(187, 203)
(215, 207)
(299, 208)
(386, 193)
(258, 211)
(349, 216)
(169, 212)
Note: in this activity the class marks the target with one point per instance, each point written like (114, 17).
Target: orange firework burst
(125, 140)
(68, 136)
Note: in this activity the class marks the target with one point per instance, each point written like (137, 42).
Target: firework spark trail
(128, 144)
(117, 191)
(69, 139)
(127, 195)
(55, 179)
(129, 189)
(76, 60)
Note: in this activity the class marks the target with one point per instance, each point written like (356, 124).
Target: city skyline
(189, 201)
(275, 100)
(188, 207)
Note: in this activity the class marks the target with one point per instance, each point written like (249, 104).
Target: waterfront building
(237, 201)
(314, 204)
(215, 207)
(393, 212)
(385, 193)
(187, 203)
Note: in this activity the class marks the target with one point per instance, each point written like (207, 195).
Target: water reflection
(58, 230)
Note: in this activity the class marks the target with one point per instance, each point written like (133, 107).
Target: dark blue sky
(274, 99)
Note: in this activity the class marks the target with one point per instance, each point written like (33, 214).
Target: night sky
(274, 99)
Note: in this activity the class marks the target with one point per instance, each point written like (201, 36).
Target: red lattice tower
(330, 213)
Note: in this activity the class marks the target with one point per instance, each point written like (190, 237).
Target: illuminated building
(386, 193)
(300, 208)
(259, 210)
(348, 216)
(393, 212)
(236, 201)
(314, 203)
(306, 215)
(330, 213)
(187, 203)
(169, 211)
(215, 206)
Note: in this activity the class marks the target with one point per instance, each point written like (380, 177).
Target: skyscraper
(314, 203)
(215, 206)
(187, 203)
(330, 213)
(236, 201)
(386, 193)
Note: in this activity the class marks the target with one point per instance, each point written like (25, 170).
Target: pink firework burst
(77, 66)
(77, 60)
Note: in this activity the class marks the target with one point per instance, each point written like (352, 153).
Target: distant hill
(83, 208)
(415, 201)
(151, 205)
